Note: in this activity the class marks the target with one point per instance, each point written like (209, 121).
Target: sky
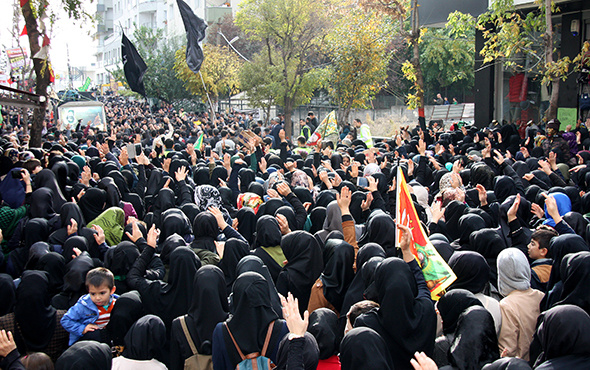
(65, 33)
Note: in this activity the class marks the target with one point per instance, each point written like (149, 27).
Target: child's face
(534, 251)
(100, 295)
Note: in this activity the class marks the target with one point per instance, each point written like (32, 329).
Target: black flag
(133, 66)
(195, 32)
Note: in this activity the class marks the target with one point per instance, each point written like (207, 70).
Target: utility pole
(70, 82)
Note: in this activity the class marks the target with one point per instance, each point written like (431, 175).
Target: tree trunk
(288, 112)
(552, 110)
(41, 72)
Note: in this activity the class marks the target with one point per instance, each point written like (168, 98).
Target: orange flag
(437, 273)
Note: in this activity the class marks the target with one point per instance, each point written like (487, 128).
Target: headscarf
(125, 313)
(338, 272)
(209, 287)
(172, 299)
(252, 312)
(233, 251)
(508, 363)
(323, 325)
(452, 305)
(145, 340)
(42, 204)
(304, 266)
(46, 179)
(317, 217)
(472, 271)
(174, 222)
(563, 331)
(93, 203)
(514, 271)
(475, 343)
(37, 250)
(575, 270)
(206, 230)
(55, 265)
(74, 242)
(112, 222)
(207, 196)
(558, 248)
(468, 224)
(309, 353)
(87, 355)
(453, 212)
(120, 259)
(504, 187)
(380, 227)
(364, 348)
(33, 311)
(249, 201)
(8, 294)
(254, 264)
(356, 288)
(247, 223)
(405, 323)
(564, 205)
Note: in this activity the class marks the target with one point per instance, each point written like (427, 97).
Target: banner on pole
(437, 273)
(326, 131)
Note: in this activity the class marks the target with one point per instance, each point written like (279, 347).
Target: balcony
(147, 6)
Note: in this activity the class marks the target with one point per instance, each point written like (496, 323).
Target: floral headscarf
(249, 200)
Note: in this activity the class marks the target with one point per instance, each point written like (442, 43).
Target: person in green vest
(364, 133)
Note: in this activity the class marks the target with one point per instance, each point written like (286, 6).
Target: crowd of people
(174, 240)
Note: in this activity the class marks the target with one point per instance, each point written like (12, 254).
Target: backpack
(196, 361)
(256, 360)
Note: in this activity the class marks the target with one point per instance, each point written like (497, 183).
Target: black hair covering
(309, 353)
(8, 294)
(205, 230)
(247, 223)
(323, 325)
(172, 299)
(577, 222)
(452, 305)
(558, 248)
(42, 204)
(356, 288)
(483, 175)
(489, 244)
(254, 264)
(87, 355)
(46, 178)
(247, 177)
(304, 266)
(74, 280)
(126, 311)
(33, 311)
(55, 265)
(252, 312)
(575, 270)
(563, 332)
(268, 232)
(201, 176)
(468, 224)
(174, 222)
(504, 186)
(356, 200)
(219, 173)
(71, 210)
(364, 348)
(471, 269)
(129, 229)
(93, 203)
(145, 339)
(74, 242)
(405, 323)
(453, 212)
(256, 188)
(37, 250)
(233, 252)
(443, 248)
(338, 272)
(317, 216)
(324, 198)
(508, 363)
(119, 261)
(380, 229)
(191, 211)
(475, 343)
(209, 288)
(270, 207)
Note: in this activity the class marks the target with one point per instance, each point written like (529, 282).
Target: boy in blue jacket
(92, 312)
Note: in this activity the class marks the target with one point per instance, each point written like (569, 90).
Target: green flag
(199, 141)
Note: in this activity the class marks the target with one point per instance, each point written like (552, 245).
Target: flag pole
(208, 98)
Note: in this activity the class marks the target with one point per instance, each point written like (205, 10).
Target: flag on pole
(199, 142)
(24, 32)
(437, 273)
(195, 33)
(133, 66)
(327, 130)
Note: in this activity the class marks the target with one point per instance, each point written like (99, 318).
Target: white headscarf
(514, 271)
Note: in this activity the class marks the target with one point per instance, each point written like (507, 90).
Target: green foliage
(219, 70)
(260, 82)
(292, 32)
(358, 50)
(448, 55)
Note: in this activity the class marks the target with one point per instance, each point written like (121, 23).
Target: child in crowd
(86, 319)
(541, 265)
